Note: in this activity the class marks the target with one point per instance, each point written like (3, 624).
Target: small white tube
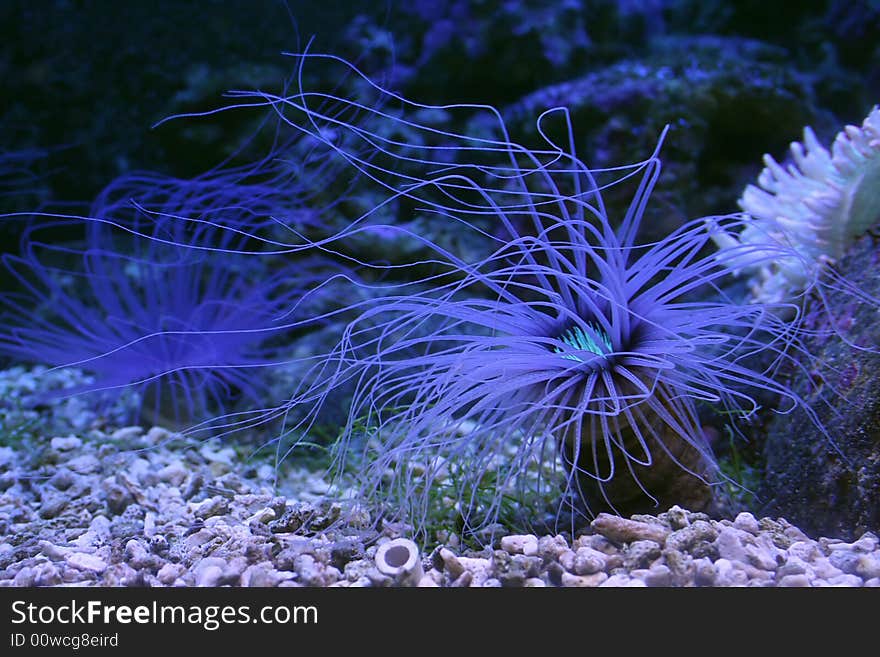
(400, 559)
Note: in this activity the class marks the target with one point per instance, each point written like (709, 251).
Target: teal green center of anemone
(596, 341)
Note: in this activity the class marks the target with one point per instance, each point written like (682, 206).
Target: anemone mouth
(584, 343)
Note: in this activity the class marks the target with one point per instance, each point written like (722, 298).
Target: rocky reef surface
(824, 487)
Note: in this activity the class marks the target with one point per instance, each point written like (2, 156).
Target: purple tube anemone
(173, 310)
(569, 358)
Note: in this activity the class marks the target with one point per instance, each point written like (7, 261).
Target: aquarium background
(87, 86)
(85, 81)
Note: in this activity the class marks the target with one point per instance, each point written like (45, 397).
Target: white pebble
(583, 581)
(793, 566)
(764, 554)
(157, 435)
(845, 580)
(480, 569)
(868, 566)
(89, 562)
(127, 433)
(588, 561)
(806, 550)
(136, 554)
(263, 575)
(174, 473)
(451, 563)
(566, 560)
(198, 538)
(730, 544)
(169, 573)
(621, 580)
(209, 571)
(264, 515)
(209, 576)
(794, 581)
(24, 577)
(526, 544)
(552, 547)
(868, 542)
(66, 443)
(54, 552)
(658, 575)
(746, 522)
(729, 573)
(677, 518)
(823, 568)
(844, 559)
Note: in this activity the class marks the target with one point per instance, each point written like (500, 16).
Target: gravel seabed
(134, 507)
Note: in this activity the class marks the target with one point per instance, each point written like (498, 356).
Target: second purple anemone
(148, 304)
(570, 359)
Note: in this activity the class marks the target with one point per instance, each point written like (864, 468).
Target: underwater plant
(816, 206)
(570, 360)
